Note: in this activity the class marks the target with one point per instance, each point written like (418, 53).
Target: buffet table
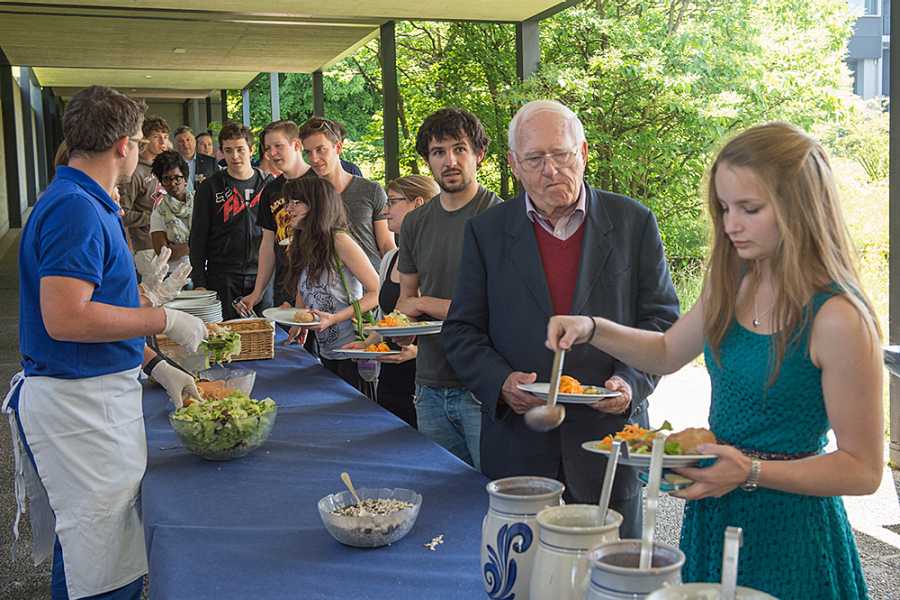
(249, 528)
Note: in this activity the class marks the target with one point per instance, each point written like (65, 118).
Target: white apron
(87, 438)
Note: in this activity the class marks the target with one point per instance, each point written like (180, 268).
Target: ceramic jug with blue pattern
(509, 533)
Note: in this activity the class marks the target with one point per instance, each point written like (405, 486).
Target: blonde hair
(814, 252)
(415, 186)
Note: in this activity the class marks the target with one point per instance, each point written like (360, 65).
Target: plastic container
(369, 531)
(240, 379)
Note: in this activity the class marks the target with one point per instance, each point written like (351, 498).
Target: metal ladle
(345, 477)
(551, 415)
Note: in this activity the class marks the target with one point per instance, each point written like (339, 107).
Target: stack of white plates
(200, 303)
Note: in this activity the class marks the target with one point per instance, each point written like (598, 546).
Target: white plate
(670, 461)
(193, 303)
(353, 353)
(542, 390)
(286, 316)
(420, 328)
(195, 294)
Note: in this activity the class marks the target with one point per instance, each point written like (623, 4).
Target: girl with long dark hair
(328, 270)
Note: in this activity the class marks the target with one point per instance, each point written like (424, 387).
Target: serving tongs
(152, 343)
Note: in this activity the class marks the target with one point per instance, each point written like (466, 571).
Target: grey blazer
(498, 323)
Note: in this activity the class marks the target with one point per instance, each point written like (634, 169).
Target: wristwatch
(752, 481)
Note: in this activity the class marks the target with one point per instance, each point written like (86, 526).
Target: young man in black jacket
(225, 233)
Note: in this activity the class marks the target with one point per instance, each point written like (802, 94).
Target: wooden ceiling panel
(124, 43)
(190, 84)
(471, 10)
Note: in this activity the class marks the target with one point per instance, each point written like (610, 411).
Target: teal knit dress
(795, 547)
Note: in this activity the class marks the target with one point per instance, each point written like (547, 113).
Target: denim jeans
(451, 417)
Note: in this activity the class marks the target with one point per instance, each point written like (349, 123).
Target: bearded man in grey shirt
(454, 143)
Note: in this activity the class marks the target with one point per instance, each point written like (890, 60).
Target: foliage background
(658, 84)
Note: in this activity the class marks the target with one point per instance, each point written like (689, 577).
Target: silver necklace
(756, 316)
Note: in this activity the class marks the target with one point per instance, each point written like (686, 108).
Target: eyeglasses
(140, 141)
(172, 178)
(296, 202)
(392, 202)
(560, 160)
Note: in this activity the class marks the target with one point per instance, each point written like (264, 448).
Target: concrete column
(224, 100)
(10, 142)
(275, 94)
(528, 49)
(318, 94)
(894, 235)
(245, 96)
(391, 94)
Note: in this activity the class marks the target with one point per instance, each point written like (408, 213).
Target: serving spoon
(345, 477)
(551, 415)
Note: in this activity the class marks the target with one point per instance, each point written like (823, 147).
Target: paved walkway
(682, 398)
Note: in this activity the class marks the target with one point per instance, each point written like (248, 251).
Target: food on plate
(640, 440)
(570, 385)
(221, 345)
(379, 347)
(395, 319)
(690, 438)
(304, 316)
(220, 425)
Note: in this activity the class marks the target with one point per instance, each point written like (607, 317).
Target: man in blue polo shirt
(76, 412)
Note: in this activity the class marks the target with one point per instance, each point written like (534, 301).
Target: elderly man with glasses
(561, 247)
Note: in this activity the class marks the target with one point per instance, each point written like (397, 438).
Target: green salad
(222, 345)
(224, 428)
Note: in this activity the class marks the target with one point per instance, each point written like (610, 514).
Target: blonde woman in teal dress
(792, 347)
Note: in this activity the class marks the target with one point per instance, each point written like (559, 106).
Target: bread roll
(692, 437)
(304, 316)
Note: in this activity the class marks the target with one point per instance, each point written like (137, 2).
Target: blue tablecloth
(250, 529)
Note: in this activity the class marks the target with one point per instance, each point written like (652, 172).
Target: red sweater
(561, 259)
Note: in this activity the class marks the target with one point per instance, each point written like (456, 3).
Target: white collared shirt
(566, 226)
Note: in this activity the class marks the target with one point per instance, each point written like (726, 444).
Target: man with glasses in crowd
(200, 166)
(142, 191)
(281, 143)
(561, 247)
(225, 232)
(78, 428)
(454, 143)
(363, 199)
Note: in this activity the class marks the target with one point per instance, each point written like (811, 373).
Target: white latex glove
(165, 291)
(176, 382)
(156, 270)
(184, 329)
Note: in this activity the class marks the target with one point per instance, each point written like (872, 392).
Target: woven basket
(257, 339)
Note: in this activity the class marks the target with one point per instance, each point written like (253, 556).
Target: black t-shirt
(274, 216)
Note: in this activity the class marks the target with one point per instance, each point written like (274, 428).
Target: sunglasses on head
(325, 125)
